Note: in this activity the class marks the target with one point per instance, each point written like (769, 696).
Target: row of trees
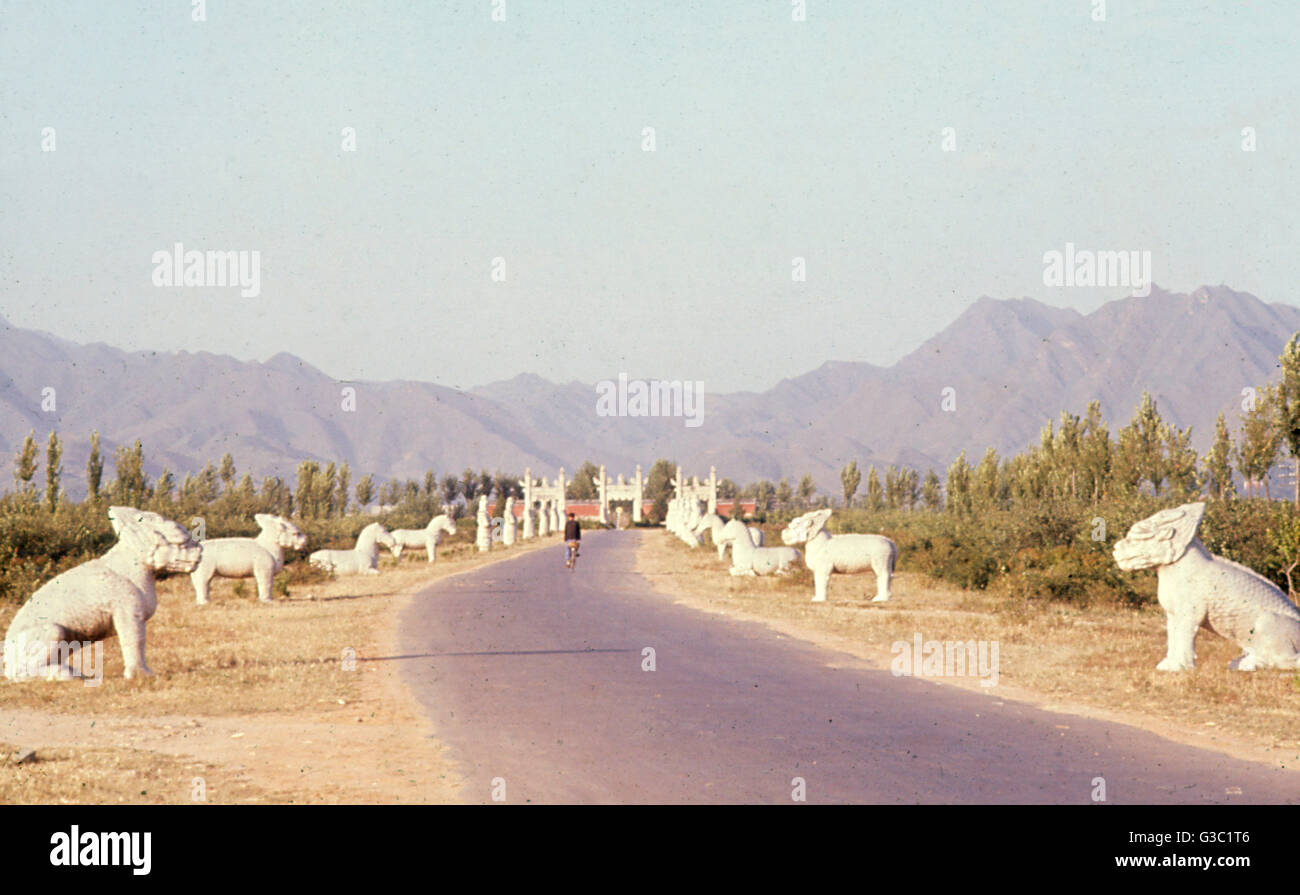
(321, 490)
(325, 490)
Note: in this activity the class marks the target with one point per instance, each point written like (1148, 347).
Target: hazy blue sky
(522, 139)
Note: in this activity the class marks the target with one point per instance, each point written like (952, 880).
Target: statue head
(805, 527)
(160, 544)
(444, 522)
(1160, 539)
(286, 533)
(376, 532)
(732, 530)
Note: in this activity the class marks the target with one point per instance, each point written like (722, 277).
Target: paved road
(534, 675)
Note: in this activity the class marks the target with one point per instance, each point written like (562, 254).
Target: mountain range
(1011, 365)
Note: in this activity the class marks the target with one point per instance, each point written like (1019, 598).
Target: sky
(524, 140)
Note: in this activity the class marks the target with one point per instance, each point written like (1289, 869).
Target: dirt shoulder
(1095, 663)
(295, 702)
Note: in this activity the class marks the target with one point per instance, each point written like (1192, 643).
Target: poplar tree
(958, 486)
(875, 494)
(850, 478)
(985, 482)
(366, 491)
(932, 491)
(1259, 440)
(1218, 462)
(53, 469)
(94, 467)
(25, 465)
(1288, 405)
(344, 481)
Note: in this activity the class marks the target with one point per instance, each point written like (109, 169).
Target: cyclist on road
(572, 535)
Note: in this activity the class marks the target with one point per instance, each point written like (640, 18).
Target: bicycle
(571, 554)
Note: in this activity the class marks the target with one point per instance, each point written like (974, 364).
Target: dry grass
(121, 776)
(256, 694)
(1100, 661)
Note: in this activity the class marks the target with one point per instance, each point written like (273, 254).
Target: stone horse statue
(362, 559)
(747, 559)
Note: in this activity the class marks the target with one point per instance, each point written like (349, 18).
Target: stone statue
(113, 594)
(713, 524)
(362, 559)
(842, 554)
(746, 559)
(544, 519)
(260, 558)
(1200, 590)
(508, 525)
(427, 538)
(484, 536)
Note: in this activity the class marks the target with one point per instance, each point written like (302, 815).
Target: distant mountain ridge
(1013, 364)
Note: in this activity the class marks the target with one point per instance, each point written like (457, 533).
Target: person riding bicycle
(572, 535)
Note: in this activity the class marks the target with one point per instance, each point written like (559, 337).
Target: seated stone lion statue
(1200, 590)
(111, 594)
(259, 558)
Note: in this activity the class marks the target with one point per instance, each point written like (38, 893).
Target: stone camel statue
(113, 594)
(260, 558)
(1198, 589)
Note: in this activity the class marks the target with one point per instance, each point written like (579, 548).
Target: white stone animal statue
(113, 594)
(483, 537)
(362, 559)
(687, 521)
(508, 524)
(844, 554)
(730, 532)
(713, 524)
(260, 558)
(1198, 589)
(427, 538)
(747, 559)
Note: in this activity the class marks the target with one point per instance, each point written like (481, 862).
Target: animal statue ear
(119, 516)
(819, 521)
(1186, 526)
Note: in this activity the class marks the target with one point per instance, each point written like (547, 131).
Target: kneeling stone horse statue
(1200, 590)
(111, 594)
